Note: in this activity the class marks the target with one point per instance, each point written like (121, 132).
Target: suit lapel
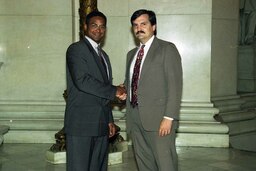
(149, 58)
(109, 66)
(97, 60)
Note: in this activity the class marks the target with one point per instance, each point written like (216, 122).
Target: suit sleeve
(173, 72)
(83, 77)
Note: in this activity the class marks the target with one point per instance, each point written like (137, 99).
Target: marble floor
(31, 157)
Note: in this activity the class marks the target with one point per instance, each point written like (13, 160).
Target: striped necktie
(102, 59)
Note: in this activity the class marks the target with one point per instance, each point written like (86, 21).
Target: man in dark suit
(88, 116)
(154, 87)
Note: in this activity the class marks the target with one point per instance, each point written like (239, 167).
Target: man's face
(96, 29)
(143, 29)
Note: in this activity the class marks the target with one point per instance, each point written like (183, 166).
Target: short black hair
(95, 14)
(151, 15)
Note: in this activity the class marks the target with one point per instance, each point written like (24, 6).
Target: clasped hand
(121, 93)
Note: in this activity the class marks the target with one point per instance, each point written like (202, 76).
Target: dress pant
(87, 153)
(152, 152)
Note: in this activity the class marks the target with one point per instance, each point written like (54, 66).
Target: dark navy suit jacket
(89, 92)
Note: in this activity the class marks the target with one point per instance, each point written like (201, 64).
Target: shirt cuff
(166, 117)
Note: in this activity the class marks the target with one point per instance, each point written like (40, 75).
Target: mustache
(140, 32)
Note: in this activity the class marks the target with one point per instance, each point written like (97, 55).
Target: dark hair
(95, 14)
(151, 16)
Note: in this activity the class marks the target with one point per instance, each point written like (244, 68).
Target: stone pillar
(236, 111)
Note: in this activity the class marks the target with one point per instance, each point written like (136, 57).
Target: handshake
(121, 93)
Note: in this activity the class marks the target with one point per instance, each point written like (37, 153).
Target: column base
(202, 140)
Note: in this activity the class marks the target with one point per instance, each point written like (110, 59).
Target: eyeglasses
(95, 26)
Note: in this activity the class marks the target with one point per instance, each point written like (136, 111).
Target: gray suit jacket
(89, 91)
(160, 85)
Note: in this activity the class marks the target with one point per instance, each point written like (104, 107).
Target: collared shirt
(95, 47)
(146, 48)
(93, 43)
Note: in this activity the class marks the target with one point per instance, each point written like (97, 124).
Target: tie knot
(141, 52)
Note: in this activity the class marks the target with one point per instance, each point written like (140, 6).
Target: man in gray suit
(88, 116)
(154, 87)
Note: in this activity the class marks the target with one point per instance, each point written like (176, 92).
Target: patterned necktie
(102, 59)
(135, 76)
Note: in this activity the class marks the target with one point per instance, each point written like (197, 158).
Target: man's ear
(85, 27)
(154, 27)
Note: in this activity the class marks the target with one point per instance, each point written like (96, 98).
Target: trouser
(152, 152)
(87, 153)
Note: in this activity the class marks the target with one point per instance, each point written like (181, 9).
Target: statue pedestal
(56, 157)
(113, 157)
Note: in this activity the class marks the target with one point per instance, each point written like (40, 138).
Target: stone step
(44, 124)
(118, 114)
(31, 115)
(235, 116)
(202, 140)
(228, 104)
(35, 106)
(250, 99)
(36, 136)
(33, 124)
(196, 117)
(41, 109)
(245, 142)
(57, 124)
(29, 136)
(241, 127)
(192, 130)
(210, 127)
(183, 139)
(42, 114)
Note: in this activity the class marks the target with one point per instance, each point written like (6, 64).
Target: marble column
(236, 111)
